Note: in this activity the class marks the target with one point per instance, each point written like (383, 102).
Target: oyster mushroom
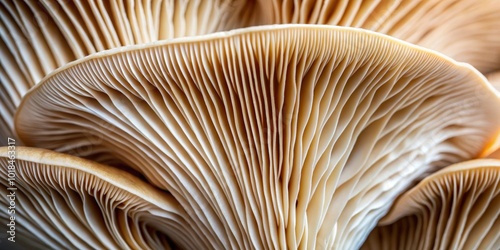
(64, 202)
(37, 37)
(455, 208)
(274, 136)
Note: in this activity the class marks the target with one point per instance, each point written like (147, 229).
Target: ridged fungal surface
(466, 30)
(38, 36)
(64, 202)
(455, 208)
(272, 137)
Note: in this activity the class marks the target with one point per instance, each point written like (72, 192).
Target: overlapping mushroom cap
(38, 36)
(64, 202)
(274, 137)
(455, 208)
(466, 30)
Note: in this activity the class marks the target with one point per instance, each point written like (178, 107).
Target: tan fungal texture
(456, 208)
(466, 30)
(38, 36)
(274, 137)
(64, 202)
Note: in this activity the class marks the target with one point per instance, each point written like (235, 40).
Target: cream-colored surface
(40, 36)
(466, 30)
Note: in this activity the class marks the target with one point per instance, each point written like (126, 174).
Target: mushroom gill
(455, 208)
(64, 202)
(466, 30)
(277, 137)
(38, 36)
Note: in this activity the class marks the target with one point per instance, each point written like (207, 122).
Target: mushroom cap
(466, 30)
(65, 202)
(276, 136)
(455, 208)
(39, 36)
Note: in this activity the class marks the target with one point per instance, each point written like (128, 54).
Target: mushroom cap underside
(264, 133)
